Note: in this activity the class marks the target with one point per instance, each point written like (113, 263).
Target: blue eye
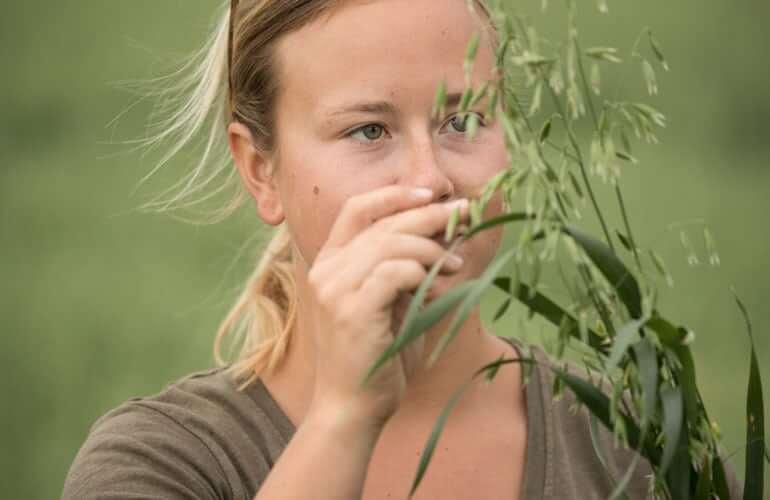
(370, 131)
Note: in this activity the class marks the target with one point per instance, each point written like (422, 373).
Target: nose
(423, 169)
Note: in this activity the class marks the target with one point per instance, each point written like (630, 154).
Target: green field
(100, 303)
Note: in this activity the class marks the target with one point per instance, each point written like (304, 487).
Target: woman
(330, 127)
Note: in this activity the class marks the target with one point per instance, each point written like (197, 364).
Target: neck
(429, 389)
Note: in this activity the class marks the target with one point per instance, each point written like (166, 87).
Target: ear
(256, 171)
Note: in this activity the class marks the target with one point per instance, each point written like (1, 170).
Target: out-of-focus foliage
(99, 303)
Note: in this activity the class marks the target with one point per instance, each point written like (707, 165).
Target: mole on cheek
(315, 190)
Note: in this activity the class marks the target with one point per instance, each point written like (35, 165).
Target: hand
(378, 250)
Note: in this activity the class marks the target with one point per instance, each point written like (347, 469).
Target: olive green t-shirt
(201, 438)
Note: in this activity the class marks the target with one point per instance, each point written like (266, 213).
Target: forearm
(326, 459)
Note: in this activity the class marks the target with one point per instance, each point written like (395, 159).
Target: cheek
(316, 191)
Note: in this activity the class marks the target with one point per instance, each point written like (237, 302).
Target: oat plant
(564, 137)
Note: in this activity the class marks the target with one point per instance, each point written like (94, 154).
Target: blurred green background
(99, 303)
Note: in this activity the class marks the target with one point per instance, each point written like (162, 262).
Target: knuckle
(416, 270)
(387, 270)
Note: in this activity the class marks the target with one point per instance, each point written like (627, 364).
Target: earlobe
(256, 172)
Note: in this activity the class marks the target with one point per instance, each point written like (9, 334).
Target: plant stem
(581, 162)
(595, 119)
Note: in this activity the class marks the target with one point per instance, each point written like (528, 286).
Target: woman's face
(354, 115)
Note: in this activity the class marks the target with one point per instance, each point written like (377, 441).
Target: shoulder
(578, 456)
(200, 437)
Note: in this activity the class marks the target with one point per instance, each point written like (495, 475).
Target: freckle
(315, 190)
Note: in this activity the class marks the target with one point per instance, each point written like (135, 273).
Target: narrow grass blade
(721, 487)
(593, 432)
(430, 446)
(647, 363)
(673, 420)
(620, 488)
(551, 311)
(679, 473)
(669, 335)
(612, 268)
(438, 427)
(502, 309)
(496, 221)
(704, 487)
(407, 326)
(470, 300)
(754, 480)
(627, 335)
(689, 386)
(599, 404)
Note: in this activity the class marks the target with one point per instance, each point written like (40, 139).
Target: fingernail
(462, 203)
(422, 193)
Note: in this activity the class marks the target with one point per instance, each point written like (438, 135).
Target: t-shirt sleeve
(138, 452)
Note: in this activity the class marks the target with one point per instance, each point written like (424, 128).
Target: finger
(388, 280)
(363, 210)
(426, 221)
(366, 253)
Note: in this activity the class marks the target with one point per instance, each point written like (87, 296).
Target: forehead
(366, 48)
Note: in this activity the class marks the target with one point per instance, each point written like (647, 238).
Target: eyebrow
(384, 107)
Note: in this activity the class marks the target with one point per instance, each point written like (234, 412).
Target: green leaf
(689, 385)
(627, 335)
(596, 78)
(465, 100)
(704, 488)
(669, 335)
(679, 474)
(620, 488)
(496, 221)
(472, 126)
(676, 339)
(479, 95)
(650, 113)
(473, 46)
(551, 311)
(604, 54)
(655, 46)
(720, 479)
(624, 240)
(626, 157)
(612, 268)
(502, 309)
(593, 432)
(415, 323)
(470, 300)
(650, 78)
(545, 132)
(438, 427)
(454, 218)
(576, 185)
(673, 420)
(430, 446)
(599, 404)
(755, 420)
(657, 261)
(647, 363)
(439, 101)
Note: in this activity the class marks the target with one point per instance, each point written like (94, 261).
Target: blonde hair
(208, 99)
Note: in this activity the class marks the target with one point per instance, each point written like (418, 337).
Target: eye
(459, 123)
(371, 132)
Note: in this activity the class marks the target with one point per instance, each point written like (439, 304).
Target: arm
(326, 459)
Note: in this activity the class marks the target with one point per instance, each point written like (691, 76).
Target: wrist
(344, 423)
